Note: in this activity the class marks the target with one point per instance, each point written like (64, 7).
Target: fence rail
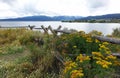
(6, 27)
(58, 30)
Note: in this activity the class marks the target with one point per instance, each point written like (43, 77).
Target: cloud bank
(20, 8)
(94, 4)
(9, 2)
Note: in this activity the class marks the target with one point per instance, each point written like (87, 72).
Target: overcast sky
(20, 8)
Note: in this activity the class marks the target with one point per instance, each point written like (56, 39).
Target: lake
(105, 28)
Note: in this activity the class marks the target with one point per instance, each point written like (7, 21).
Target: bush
(99, 64)
(77, 43)
(86, 56)
(116, 32)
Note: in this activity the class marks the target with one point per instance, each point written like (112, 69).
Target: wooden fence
(58, 30)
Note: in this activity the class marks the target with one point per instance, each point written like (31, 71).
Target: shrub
(77, 43)
(86, 56)
(116, 32)
(99, 64)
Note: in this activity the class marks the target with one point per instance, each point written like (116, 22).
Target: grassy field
(30, 54)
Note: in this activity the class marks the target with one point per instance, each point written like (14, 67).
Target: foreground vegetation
(22, 55)
(30, 54)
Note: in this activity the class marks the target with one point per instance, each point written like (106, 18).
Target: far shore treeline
(96, 21)
(109, 18)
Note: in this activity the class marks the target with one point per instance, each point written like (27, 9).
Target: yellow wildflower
(82, 58)
(105, 43)
(67, 69)
(69, 65)
(105, 66)
(103, 47)
(103, 63)
(97, 41)
(108, 52)
(97, 54)
(89, 39)
(97, 58)
(77, 73)
(110, 57)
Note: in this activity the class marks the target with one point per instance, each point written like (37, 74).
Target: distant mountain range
(43, 18)
(105, 17)
(63, 18)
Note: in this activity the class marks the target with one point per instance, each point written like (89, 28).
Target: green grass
(23, 57)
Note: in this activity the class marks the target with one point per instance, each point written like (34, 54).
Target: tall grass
(36, 60)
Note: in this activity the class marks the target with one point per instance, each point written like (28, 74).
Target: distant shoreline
(94, 21)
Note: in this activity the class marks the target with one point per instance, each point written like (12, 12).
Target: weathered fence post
(56, 30)
(45, 29)
(54, 33)
(31, 27)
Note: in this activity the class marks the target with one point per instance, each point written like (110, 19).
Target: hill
(43, 18)
(107, 16)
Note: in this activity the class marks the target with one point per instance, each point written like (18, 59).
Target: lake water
(105, 28)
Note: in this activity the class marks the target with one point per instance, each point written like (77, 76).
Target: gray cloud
(9, 2)
(33, 11)
(48, 7)
(29, 8)
(96, 4)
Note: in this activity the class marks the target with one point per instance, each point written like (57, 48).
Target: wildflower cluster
(71, 68)
(69, 65)
(77, 73)
(104, 49)
(104, 63)
(82, 58)
(103, 57)
(77, 43)
(99, 62)
(110, 57)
